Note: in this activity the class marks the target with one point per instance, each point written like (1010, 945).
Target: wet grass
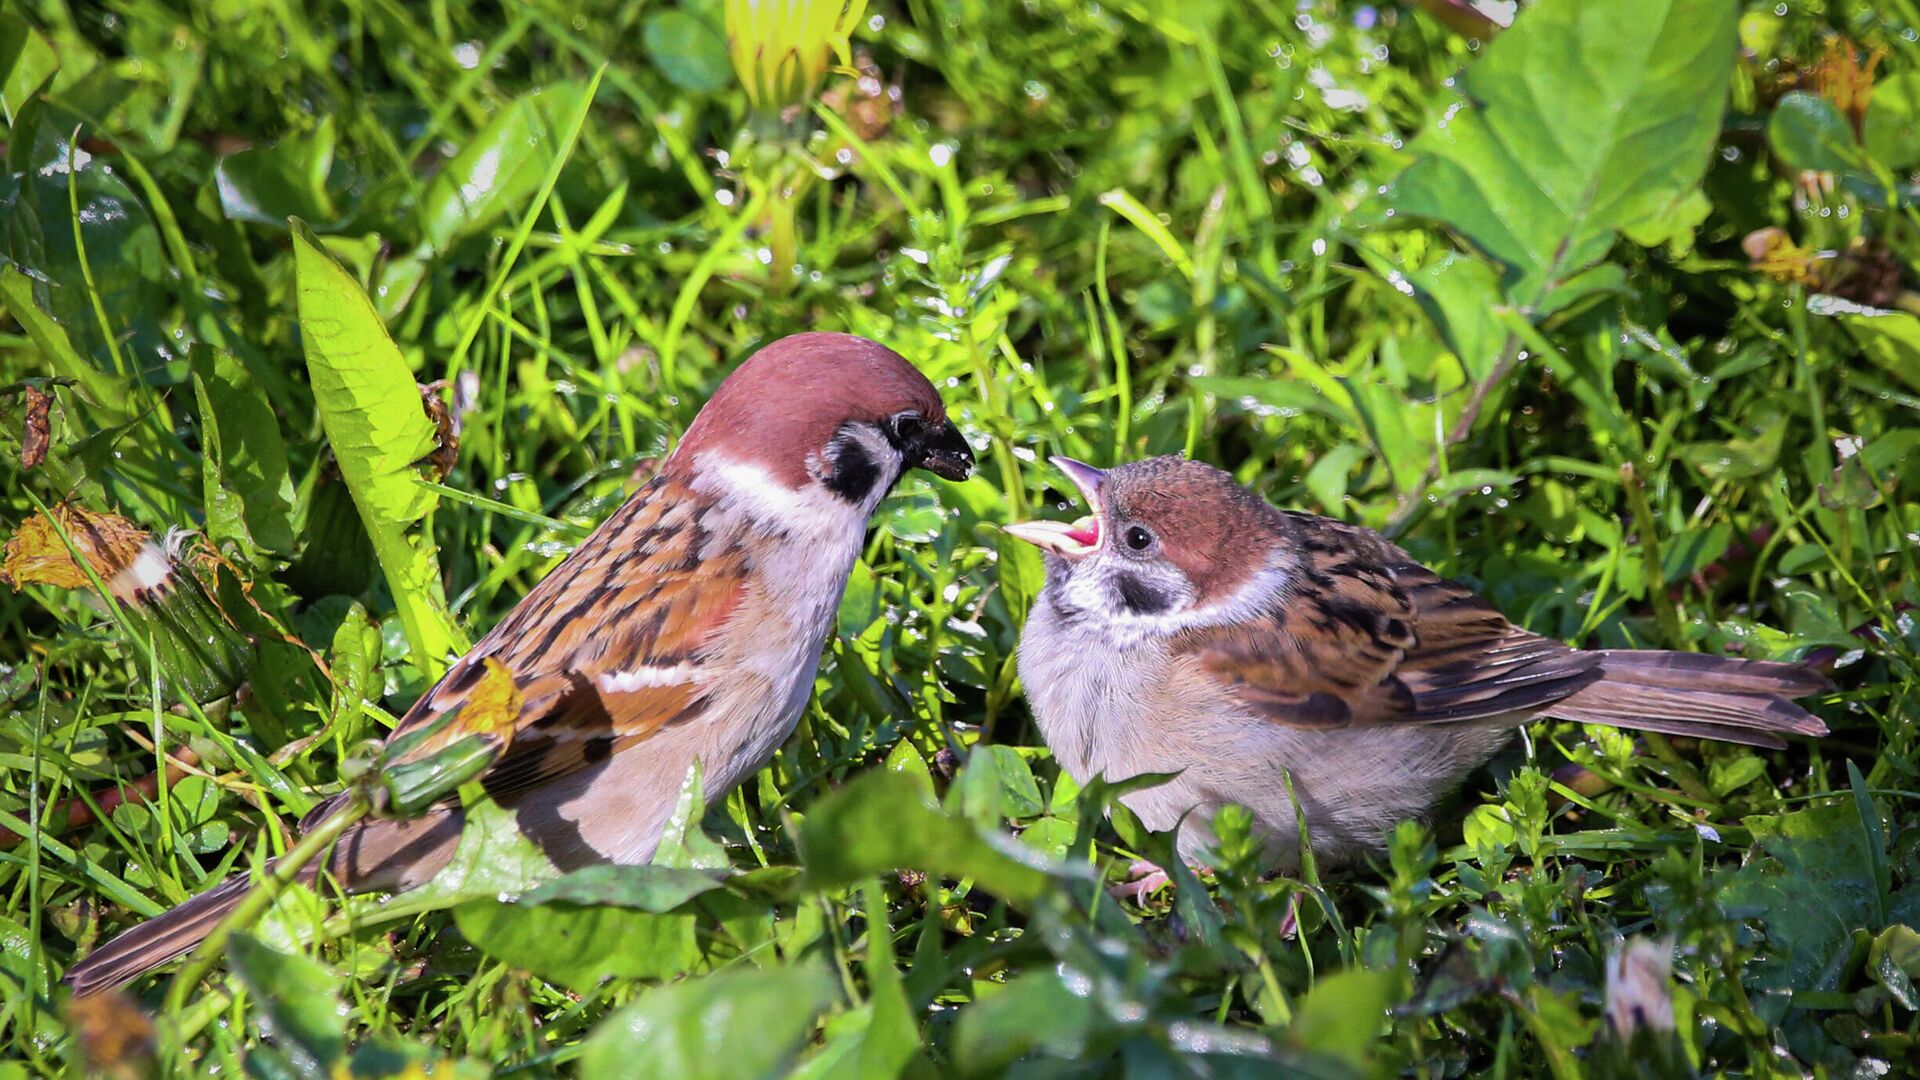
(1682, 418)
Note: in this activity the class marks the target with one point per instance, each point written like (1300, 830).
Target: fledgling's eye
(1138, 538)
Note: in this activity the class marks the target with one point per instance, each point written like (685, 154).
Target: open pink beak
(1082, 537)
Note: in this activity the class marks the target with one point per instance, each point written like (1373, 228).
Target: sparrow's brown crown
(786, 402)
(1217, 532)
(1184, 514)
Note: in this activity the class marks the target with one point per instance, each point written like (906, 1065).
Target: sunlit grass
(1103, 230)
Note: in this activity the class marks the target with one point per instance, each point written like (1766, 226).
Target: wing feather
(1365, 635)
(610, 647)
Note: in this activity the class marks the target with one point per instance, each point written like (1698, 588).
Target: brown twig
(79, 811)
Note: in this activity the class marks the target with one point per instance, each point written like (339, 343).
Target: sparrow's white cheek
(1082, 585)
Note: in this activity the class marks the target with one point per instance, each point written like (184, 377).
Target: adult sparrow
(1188, 627)
(687, 628)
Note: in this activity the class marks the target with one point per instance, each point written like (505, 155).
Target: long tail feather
(1693, 694)
(162, 938)
(372, 855)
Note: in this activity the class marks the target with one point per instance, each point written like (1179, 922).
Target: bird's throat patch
(1140, 597)
(854, 471)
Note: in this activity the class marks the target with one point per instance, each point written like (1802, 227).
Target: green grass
(1530, 343)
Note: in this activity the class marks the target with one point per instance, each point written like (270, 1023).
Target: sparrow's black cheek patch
(854, 472)
(1140, 597)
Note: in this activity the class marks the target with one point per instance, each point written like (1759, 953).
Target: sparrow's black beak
(939, 449)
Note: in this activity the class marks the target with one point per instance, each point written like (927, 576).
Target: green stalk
(261, 897)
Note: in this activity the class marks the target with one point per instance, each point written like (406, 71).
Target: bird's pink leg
(1144, 878)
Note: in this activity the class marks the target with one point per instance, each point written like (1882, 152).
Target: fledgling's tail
(164, 937)
(1706, 697)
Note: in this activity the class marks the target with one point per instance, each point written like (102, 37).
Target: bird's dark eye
(1138, 538)
(908, 427)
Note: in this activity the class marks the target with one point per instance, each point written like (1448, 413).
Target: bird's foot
(1144, 878)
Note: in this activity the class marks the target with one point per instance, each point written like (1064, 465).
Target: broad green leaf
(882, 822)
(1810, 134)
(905, 760)
(1460, 294)
(1892, 130)
(682, 842)
(1891, 339)
(1285, 395)
(1578, 120)
(1893, 960)
(688, 51)
(1008, 784)
(1748, 455)
(1674, 229)
(1469, 481)
(493, 860)
(108, 395)
(501, 167)
(1810, 884)
(249, 495)
(1035, 1012)
(370, 407)
(859, 603)
(1344, 1014)
(1022, 573)
(266, 185)
(96, 267)
(744, 1024)
(578, 945)
(298, 998)
(353, 660)
(653, 888)
(1327, 480)
(26, 61)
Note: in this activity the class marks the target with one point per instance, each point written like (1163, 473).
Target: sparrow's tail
(164, 937)
(1707, 697)
(373, 855)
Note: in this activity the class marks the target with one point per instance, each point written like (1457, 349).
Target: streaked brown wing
(609, 647)
(1368, 636)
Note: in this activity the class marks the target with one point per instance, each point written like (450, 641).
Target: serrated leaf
(370, 407)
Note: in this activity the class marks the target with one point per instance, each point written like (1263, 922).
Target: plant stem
(261, 897)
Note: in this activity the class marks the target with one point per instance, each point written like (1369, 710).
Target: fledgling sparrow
(686, 628)
(1188, 627)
